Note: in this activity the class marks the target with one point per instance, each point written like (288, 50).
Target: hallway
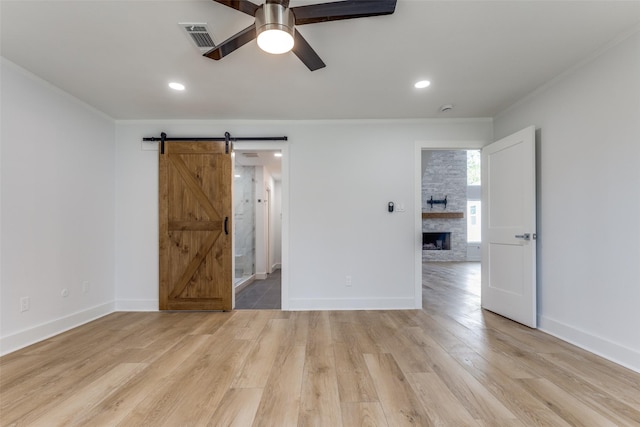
(262, 294)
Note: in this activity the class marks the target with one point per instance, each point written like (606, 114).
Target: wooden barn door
(195, 226)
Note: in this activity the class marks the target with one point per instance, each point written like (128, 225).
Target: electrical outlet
(64, 293)
(25, 304)
(85, 287)
(347, 281)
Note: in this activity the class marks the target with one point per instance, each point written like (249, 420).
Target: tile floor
(261, 294)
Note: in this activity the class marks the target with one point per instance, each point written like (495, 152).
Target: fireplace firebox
(436, 241)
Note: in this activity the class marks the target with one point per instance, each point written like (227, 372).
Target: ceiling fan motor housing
(274, 16)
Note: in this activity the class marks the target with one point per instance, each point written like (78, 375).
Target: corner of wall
(32, 335)
(607, 349)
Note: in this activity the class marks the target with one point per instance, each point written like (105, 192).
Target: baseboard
(614, 352)
(30, 336)
(299, 304)
(137, 305)
(244, 283)
(276, 266)
(261, 276)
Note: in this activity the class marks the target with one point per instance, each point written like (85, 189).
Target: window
(473, 167)
(473, 196)
(473, 221)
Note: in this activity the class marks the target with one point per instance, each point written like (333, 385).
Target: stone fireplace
(444, 175)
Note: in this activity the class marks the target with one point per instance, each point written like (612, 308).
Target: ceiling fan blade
(234, 42)
(244, 6)
(284, 3)
(305, 53)
(348, 9)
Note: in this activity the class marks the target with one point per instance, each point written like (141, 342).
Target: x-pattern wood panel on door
(195, 224)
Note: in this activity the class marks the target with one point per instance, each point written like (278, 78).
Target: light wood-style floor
(450, 364)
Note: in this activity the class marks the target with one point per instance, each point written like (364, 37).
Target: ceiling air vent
(199, 35)
(250, 154)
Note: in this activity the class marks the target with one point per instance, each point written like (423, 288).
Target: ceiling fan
(275, 22)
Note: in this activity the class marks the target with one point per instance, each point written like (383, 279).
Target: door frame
(269, 237)
(283, 146)
(419, 146)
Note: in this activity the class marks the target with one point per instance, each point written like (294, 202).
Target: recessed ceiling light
(176, 86)
(422, 84)
(277, 154)
(238, 176)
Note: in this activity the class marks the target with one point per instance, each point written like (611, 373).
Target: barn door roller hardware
(227, 138)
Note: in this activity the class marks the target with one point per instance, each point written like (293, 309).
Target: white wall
(57, 220)
(589, 202)
(276, 225)
(335, 220)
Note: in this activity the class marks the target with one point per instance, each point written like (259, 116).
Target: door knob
(525, 236)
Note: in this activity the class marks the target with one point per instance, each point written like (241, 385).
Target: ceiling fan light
(275, 41)
(274, 25)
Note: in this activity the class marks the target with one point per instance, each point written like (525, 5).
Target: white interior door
(509, 227)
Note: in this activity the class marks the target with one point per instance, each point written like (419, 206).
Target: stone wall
(244, 220)
(445, 174)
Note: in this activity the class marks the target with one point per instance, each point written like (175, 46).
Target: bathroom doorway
(257, 200)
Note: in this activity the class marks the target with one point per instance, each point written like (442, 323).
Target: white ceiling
(264, 158)
(481, 56)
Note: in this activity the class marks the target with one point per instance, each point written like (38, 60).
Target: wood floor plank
(472, 393)
(69, 411)
(354, 381)
(616, 385)
(319, 396)
(150, 382)
(441, 406)
(410, 357)
(508, 390)
(439, 333)
(210, 323)
(300, 328)
(238, 408)
(218, 368)
(400, 404)
(527, 338)
(363, 414)
(280, 404)
(257, 367)
(13, 369)
(253, 329)
(39, 394)
(565, 405)
(355, 330)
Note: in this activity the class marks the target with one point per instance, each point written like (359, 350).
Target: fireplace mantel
(445, 215)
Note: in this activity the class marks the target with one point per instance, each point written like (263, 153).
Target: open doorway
(450, 193)
(257, 229)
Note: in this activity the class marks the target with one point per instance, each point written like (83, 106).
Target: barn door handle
(226, 225)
